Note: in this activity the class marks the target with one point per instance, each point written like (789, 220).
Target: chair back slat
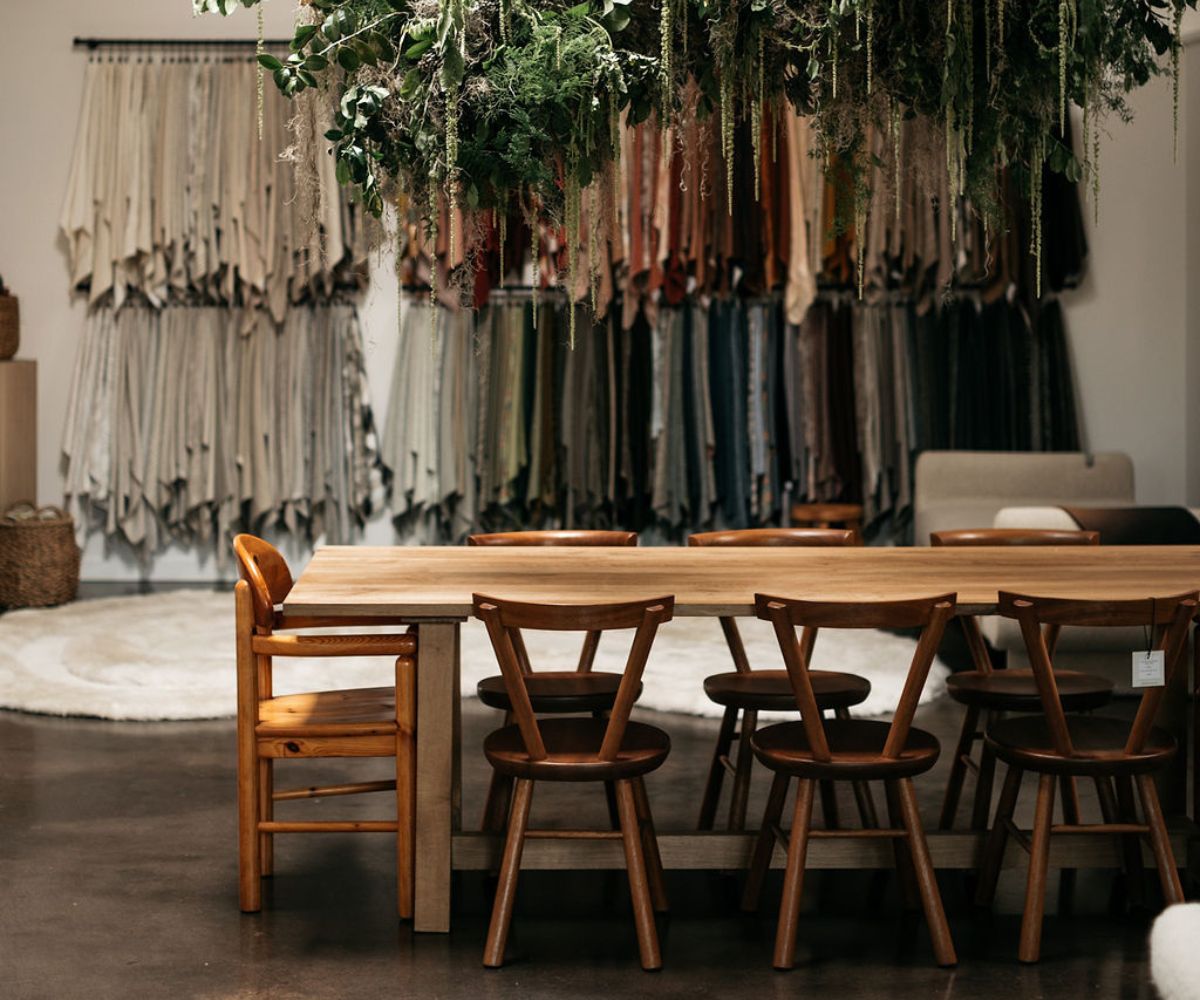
(513, 672)
(599, 539)
(262, 566)
(505, 620)
(1012, 536)
(587, 655)
(549, 539)
(773, 538)
(1042, 618)
(776, 537)
(795, 659)
(930, 614)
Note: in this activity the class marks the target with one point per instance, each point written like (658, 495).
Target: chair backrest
(749, 537)
(1013, 536)
(597, 538)
(1165, 619)
(929, 614)
(968, 537)
(505, 620)
(266, 571)
(815, 537)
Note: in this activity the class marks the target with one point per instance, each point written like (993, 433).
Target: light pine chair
(353, 722)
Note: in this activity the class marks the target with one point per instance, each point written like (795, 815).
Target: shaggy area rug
(171, 656)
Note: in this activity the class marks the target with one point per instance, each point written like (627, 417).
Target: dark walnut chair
(348, 722)
(988, 693)
(1113, 753)
(817, 749)
(744, 692)
(551, 692)
(611, 750)
(828, 515)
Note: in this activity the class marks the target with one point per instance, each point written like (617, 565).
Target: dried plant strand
(259, 48)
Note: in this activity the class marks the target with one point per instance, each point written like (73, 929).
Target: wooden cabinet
(18, 432)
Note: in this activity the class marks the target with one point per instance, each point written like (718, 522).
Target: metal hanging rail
(175, 43)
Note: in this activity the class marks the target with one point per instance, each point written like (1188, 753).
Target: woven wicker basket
(10, 326)
(39, 560)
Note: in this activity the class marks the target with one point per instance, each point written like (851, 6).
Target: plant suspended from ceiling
(493, 104)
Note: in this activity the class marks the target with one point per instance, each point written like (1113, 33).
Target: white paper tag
(1149, 668)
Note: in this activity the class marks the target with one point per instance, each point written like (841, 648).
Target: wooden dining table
(432, 588)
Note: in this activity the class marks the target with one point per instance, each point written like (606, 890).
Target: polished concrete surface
(118, 880)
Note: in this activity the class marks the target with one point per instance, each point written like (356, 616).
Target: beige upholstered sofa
(967, 489)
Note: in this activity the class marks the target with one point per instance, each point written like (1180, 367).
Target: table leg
(437, 756)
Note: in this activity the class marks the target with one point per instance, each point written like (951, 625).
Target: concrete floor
(118, 879)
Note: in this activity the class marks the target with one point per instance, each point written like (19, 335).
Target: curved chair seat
(571, 746)
(355, 711)
(557, 691)
(1016, 690)
(856, 743)
(1099, 744)
(771, 691)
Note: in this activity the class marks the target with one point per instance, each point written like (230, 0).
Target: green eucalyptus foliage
(503, 101)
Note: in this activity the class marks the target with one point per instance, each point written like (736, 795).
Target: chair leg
(741, 774)
(639, 888)
(905, 873)
(249, 853)
(1069, 793)
(1160, 843)
(764, 845)
(499, 797)
(931, 898)
(829, 805)
(266, 811)
(958, 768)
(654, 865)
(993, 850)
(1132, 845)
(983, 785)
(1035, 885)
(510, 868)
(793, 878)
(716, 770)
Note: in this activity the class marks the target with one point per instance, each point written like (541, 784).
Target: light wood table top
(437, 582)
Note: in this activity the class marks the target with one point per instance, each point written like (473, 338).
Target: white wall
(1134, 327)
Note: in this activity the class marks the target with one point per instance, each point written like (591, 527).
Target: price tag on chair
(1149, 668)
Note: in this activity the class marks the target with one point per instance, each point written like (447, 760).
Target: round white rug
(171, 656)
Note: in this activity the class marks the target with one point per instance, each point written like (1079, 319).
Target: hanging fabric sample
(184, 428)
(173, 196)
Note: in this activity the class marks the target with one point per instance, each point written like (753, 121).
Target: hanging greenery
(516, 104)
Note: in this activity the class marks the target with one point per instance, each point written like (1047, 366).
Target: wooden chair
(1057, 746)
(818, 749)
(551, 692)
(355, 722)
(828, 515)
(612, 750)
(989, 692)
(745, 692)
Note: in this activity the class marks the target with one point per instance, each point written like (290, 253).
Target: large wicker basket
(10, 326)
(39, 560)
